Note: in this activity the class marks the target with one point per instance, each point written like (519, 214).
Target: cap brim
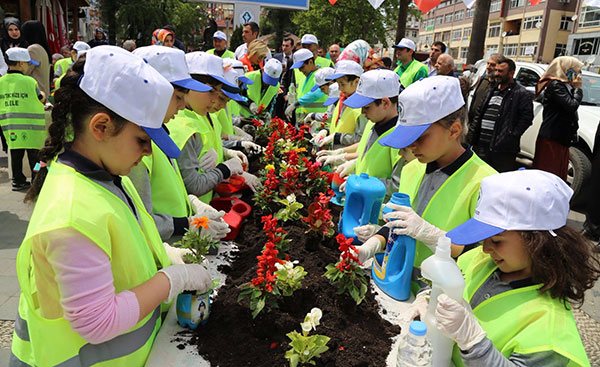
(266, 78)
(245, 80)
(33, 62)
(330, 101)
(315, 87)
(223, 80)
(221, 38)
(308, 43)
(235, 96)
(161, 138)
(298, 64)
(192, 84)
(403, 136)
(357, 101)
(472, 231)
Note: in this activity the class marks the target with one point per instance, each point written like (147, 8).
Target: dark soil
(359, 336)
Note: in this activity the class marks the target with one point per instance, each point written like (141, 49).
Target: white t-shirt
(241, 50)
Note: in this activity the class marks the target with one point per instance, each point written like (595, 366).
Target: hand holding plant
(198, 242)
(306, 347)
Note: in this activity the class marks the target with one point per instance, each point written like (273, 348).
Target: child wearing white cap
(88, 265)
(265, 86)
(230, 130)
(347, 123)
(22, 115)
(443, 181)
(220, 49)
(317, 120)
(521, 283)
(60, 68)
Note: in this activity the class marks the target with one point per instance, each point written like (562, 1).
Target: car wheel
(580, 169)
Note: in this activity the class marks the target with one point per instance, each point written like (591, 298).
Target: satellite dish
(503, 34)
(574, 17)
(538, 25)
(591, 59)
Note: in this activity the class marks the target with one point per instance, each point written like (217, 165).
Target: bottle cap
(418, 328)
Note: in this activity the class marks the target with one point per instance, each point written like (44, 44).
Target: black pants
(592, 219)
(16, 163)
(500, 161)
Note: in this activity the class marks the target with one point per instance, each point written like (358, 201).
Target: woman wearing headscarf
(12, 34)
(99, 38)
(559, 91)
(163, 37)
(33, 32)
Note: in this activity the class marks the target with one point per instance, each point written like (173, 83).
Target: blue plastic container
(193, 309)
(364, 196)
(392, 270)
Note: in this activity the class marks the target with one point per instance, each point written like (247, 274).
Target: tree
(236, 38)
(277, 21)
(480, 20)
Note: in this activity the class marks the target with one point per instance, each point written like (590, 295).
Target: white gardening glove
(234, 165)
(200, 207)
(289, 111)
(217, 227)
(405, 221)
(321, 153)
(343, 187)
(186, 277)
(319, 136)
(417, 308)
(251, 148)
(231, 153)
(347, 168)
(208, 160)
(253, 108)
(365, 232)
(332, 159)
(368, 249)
(175, 254)
(456, 321)
(326, 140)
(252, 181)
(241, 134)
(309, 118)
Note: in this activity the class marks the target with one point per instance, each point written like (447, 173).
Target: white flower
(305, 326)
(288, 265)
(292, 272)
(291, 198)
(313, 317)
(278, 266)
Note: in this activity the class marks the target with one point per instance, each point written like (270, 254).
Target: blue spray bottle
(392, 269)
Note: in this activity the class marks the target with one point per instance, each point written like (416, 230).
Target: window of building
(495, 5)
(463, 53)
(532, 22)
(453, 52)
(459, 15)
(585, 46)
(590, 17)
(429, 39)
(510, 49)
(516, 3)
(439, 20)
(527, 77)
(494, 30)
(528, 49)
(456, 34)
(466, 34)
(491, 49)
(470, 12)
(560, 49)
(566, 24)
(448, 18)
(437, 37)
(446, 36)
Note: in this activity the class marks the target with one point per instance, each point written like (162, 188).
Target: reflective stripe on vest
(255, 90)
(346, 123)
(19, 115)
(167, 189)
(453, 203)
(521, 320)
(379, 160)
(407, 77)
(71, 200)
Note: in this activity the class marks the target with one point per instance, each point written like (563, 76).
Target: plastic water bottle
(292, 94)
(414, 349)
(445, 277)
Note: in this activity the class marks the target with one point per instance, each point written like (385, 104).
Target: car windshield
(591, 90)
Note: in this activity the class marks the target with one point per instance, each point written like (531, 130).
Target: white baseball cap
(170, 63)
(346, 67)
(321, 76)
(523, 200)
(308, 39)
(300, 57)
(420, 105)
(232, 77)
(81, 48)
(406, 43)
(132, 89)
(20, 54)
(373, 85)
(206, 64)
(272, 72)
(334, 94)
(220, 35)
(238, 66)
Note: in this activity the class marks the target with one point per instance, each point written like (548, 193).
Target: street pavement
(14, 217)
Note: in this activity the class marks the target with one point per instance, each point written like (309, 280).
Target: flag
(426, 5)
(376, 3)
(469, 3)
(534, 2)
(332, 2)
(592, 3)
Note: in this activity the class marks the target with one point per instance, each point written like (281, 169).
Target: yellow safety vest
(346, 123)
(22, 115)
(521, 320)
(407, 77)
(64, 64)
(254, 90)
(321, 62)
(168, 192)
(379, 160)
(70, 200)
(453, 203)
(303, 88)
(226, 55)
(187, 123)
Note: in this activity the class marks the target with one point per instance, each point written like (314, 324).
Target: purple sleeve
(84, 277)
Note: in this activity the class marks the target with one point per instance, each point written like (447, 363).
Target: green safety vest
(58, 81)
(305, 87)
(226, 116)
(379, 160)
(64, 64)
(68, 199)
(407, 77)
(453, 203)
(168, 192)
(321, 62)
(521, 320)
(346, 123)
(254, 90)
(226, 55)
(187, 123)
(22, 116)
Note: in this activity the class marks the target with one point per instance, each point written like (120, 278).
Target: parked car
(580, 166)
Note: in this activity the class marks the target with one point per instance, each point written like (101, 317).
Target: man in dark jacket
(504, 115)
(485, 82)
(99, 38)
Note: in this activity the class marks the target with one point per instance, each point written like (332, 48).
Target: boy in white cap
(443, 181)
(158, 179)
(22, 117)
(409, 69)
(220, 49)
(230, 130)
(377, 95)
(265, 86)
(324, 85)
(62, 65)
(347, 124)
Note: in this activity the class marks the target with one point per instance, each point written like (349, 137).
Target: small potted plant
(193, 309)
(306, 347)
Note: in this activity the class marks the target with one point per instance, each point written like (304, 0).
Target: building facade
(584, 43)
